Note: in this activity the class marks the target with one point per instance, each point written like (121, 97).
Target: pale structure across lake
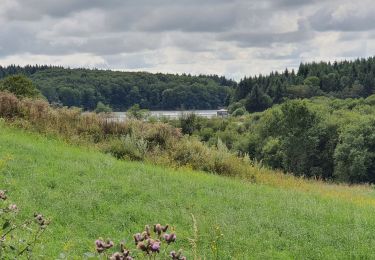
(177, 114)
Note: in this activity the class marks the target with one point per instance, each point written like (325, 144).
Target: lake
(172, 114)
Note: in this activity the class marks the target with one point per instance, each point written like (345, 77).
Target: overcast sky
(232, 38)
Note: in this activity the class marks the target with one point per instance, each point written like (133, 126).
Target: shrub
(20, 86)
(102, 108)
(188, 123)
(128, 147)
(191, 152)
(239, 112)
(9, 105)
(136, 112)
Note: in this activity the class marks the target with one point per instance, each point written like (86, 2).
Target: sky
(232, 38)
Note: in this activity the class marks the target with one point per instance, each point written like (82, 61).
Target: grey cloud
(264, 39)
(325, 20)
(292, 3)
(125, 32)
(191, 19)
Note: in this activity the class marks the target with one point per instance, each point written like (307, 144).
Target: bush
(136, 112)
(102, 108)
(355, 153)
(20, 86)
(128, 147)
(239, 112)
(9, 105)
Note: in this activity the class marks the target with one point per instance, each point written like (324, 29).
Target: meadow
(88, 194)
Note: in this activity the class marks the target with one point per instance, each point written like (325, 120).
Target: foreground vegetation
(133, 139)
(87, 195)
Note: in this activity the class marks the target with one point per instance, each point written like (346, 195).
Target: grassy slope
(88, 194)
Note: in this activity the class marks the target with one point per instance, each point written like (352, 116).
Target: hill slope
(88, 194)
(86, 87)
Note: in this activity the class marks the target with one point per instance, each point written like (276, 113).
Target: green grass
(89, 195)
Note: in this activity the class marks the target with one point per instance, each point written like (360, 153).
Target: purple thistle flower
(169, 238)
(138, 238)
(155, 246)
(177, 256)
(102, 246)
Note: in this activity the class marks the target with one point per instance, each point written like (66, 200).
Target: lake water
(172, 114)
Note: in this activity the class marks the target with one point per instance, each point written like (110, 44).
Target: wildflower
(142, 246)
(138, 238)
(3, 195)
(147, 230)
(158, 229)
(169, 238)
(177, 256)
(39, 218)
(155, 246)
(124, 254)
(102, 245)
(119, 256)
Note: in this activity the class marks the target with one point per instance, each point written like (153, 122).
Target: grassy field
(88, 195)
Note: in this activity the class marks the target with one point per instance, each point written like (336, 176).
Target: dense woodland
(120, 90)
(85, 88)
(346, 79)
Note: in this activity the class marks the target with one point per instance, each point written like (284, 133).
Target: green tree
(102, 108)
(136, 112)
(355, 153)
(19, 85)
(257, 100)
(69, 97)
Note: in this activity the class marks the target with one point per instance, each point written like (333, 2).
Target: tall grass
(132, 139)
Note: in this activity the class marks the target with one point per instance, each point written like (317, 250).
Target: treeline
(86, 88)
(325, 138)
(346, 79)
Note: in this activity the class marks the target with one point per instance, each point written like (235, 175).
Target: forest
(345, 79)
(85, 88)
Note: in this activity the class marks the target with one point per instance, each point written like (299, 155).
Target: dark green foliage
(84, 88)
(239, 111)
(257, 100)
(346, 79)
(102, 108)
(188, 123)
(20, 86)
(355, 153)
(324, 138)
(136, 112)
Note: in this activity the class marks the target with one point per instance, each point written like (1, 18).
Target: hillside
(88, 194)
(120, 90)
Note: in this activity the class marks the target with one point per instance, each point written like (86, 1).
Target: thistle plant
(18, 238)
(151, 244)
